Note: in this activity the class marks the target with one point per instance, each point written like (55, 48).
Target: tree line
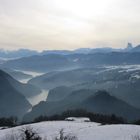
(94, 117)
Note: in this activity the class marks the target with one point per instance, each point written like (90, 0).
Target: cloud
(43, 24)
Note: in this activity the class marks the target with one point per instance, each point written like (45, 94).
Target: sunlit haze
(68, 24)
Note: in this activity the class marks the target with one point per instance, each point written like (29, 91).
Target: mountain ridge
(93, 102)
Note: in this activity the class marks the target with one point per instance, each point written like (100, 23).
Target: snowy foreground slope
(83, 130)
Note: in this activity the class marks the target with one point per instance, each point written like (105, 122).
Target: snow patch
(78, 119)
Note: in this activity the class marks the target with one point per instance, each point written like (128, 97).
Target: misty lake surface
(38, 98)
(32, 73)
(24, 81)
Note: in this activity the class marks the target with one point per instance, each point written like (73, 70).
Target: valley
(53, 88)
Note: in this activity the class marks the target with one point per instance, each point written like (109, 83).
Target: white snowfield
(83, 130)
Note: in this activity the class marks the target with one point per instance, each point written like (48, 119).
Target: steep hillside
(27, 90)
(18, 75)
(98, 102)
(12, 102)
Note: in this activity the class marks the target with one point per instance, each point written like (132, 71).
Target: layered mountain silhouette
(73, 78)
(122, 82)
(52, 62)
(97, 102)
(64, 78)
(41, 63)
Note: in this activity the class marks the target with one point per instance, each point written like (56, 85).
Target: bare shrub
(27, 133)
(136, 137)
(62, 136)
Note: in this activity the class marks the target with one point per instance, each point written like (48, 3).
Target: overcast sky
(68, 24)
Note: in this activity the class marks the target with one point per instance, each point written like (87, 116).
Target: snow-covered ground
(79, 119)
(83, 130)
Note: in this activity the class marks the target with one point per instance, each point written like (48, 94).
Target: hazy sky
(68, 24)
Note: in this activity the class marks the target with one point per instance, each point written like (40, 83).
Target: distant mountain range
(53, 62)
(17, 53)
(5, 54)
(41, 63)
(129, 48)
